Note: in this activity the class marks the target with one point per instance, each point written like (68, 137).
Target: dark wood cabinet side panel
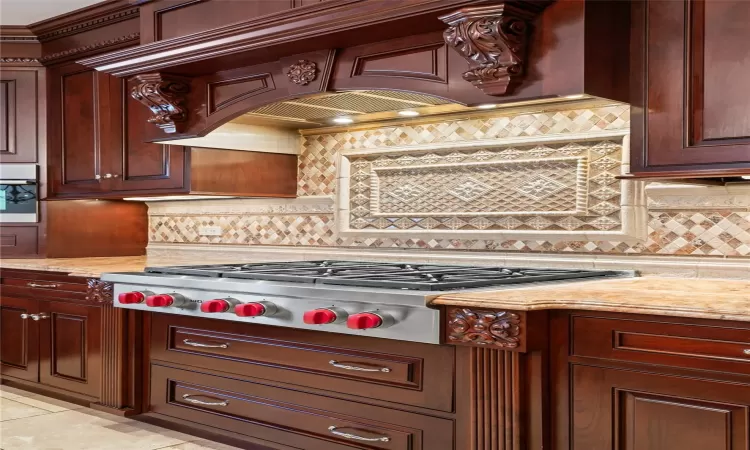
(19, 338)
(19, 241)
(19, 114)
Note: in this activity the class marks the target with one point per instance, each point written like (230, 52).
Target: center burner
(422, 277)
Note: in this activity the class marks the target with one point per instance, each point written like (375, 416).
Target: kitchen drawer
(383, 369)
(291, 418)
(18, 241)
(716, 348)
(37, 284)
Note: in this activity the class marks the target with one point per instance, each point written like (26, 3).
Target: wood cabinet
(691, 80)
(99, 148)
(69, 357)
(642, 382)
(19, 338)
(61, 335)
(21, 103)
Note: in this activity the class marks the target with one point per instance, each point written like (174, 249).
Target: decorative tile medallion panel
(564, 189)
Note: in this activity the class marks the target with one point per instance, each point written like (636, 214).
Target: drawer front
(669, 344)
(289, 417)
(392, 371)
(52, 285)
(18, 242)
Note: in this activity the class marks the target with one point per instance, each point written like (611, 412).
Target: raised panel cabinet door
(69, 347)
(19, 114)
(696, 61)
(79, 121)
(142, 165)
(19, 338)
(626, 410)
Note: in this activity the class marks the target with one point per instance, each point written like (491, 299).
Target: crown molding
(17, 34)
(95, 16)
(77, 51)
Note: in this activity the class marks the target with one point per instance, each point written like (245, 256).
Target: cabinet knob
(97, 177)
(107, 175)
(40, 316)
(746, 351)
(25, 316)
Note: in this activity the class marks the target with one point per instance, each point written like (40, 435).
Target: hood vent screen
(322, 108)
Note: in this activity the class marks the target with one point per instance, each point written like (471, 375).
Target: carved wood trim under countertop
(486, 328)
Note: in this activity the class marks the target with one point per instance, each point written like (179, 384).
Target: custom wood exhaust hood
(457, 52)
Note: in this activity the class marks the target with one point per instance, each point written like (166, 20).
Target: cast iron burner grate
(423, 277)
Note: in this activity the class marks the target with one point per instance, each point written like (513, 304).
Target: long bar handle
(355, 437)
(187, 398)
(338, 365)
(201, 344)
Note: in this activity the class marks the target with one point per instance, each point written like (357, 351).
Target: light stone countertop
(94, 267)
(681, 297)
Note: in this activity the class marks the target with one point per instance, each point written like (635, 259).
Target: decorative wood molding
(483, 327)
(91, 47)
(98, 291)
(495, 399)
(302, 72)
(493, 40)
(19, 60)
(95, 22)
(165, 96)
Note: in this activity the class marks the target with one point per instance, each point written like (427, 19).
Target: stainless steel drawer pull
(37, 285)
(746, 351)
(200, 344)
(335, 363)
(333, 429)
(187, 398)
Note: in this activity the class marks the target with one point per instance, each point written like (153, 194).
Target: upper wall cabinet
(21, 103)
(691, 80)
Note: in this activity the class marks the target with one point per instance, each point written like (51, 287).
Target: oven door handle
(18, 182)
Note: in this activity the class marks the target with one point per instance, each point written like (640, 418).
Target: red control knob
(215, 306)
(127, 298)
(159, 301)
(363, 321)
(250, 310)
(319, 317)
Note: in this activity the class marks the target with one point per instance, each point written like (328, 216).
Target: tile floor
(31, 421)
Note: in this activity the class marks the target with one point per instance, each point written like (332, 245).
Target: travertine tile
(200, 444)
(13, 410)
(47, 403)
(85, 430)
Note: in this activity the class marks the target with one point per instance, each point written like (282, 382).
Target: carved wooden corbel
(493, 39)
(98, 291)
(484, 328)
(165, 95)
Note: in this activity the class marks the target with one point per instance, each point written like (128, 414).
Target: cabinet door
(69, 347)
(626, 410)
(141, 165)
(80, 130)
(695, 90)
(19, 338)
(19, 114)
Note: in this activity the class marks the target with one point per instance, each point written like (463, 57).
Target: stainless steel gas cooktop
(378, 299)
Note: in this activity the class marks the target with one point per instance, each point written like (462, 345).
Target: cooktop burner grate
(424, 277)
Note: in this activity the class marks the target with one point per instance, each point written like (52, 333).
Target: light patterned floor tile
(85, 429)
(201, 444)
(13, 393)
(47, 403)
(11, 410)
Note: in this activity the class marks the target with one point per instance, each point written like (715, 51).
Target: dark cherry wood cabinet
(70, 356)
(60, 335)
(691, 81)
(19, 338)
(643, 382)
(22, 97)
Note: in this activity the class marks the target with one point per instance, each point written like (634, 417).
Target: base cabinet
(19, 338)
(625, 410)
(70, 350)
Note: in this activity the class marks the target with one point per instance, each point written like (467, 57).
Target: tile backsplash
(531, 182)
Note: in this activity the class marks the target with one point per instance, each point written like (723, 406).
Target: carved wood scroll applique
(98, 291)
(302, 72)
(493, 39)
(165, 96)
(497, 329)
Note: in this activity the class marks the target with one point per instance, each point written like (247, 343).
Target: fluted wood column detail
(496, 400)
(114, 392)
